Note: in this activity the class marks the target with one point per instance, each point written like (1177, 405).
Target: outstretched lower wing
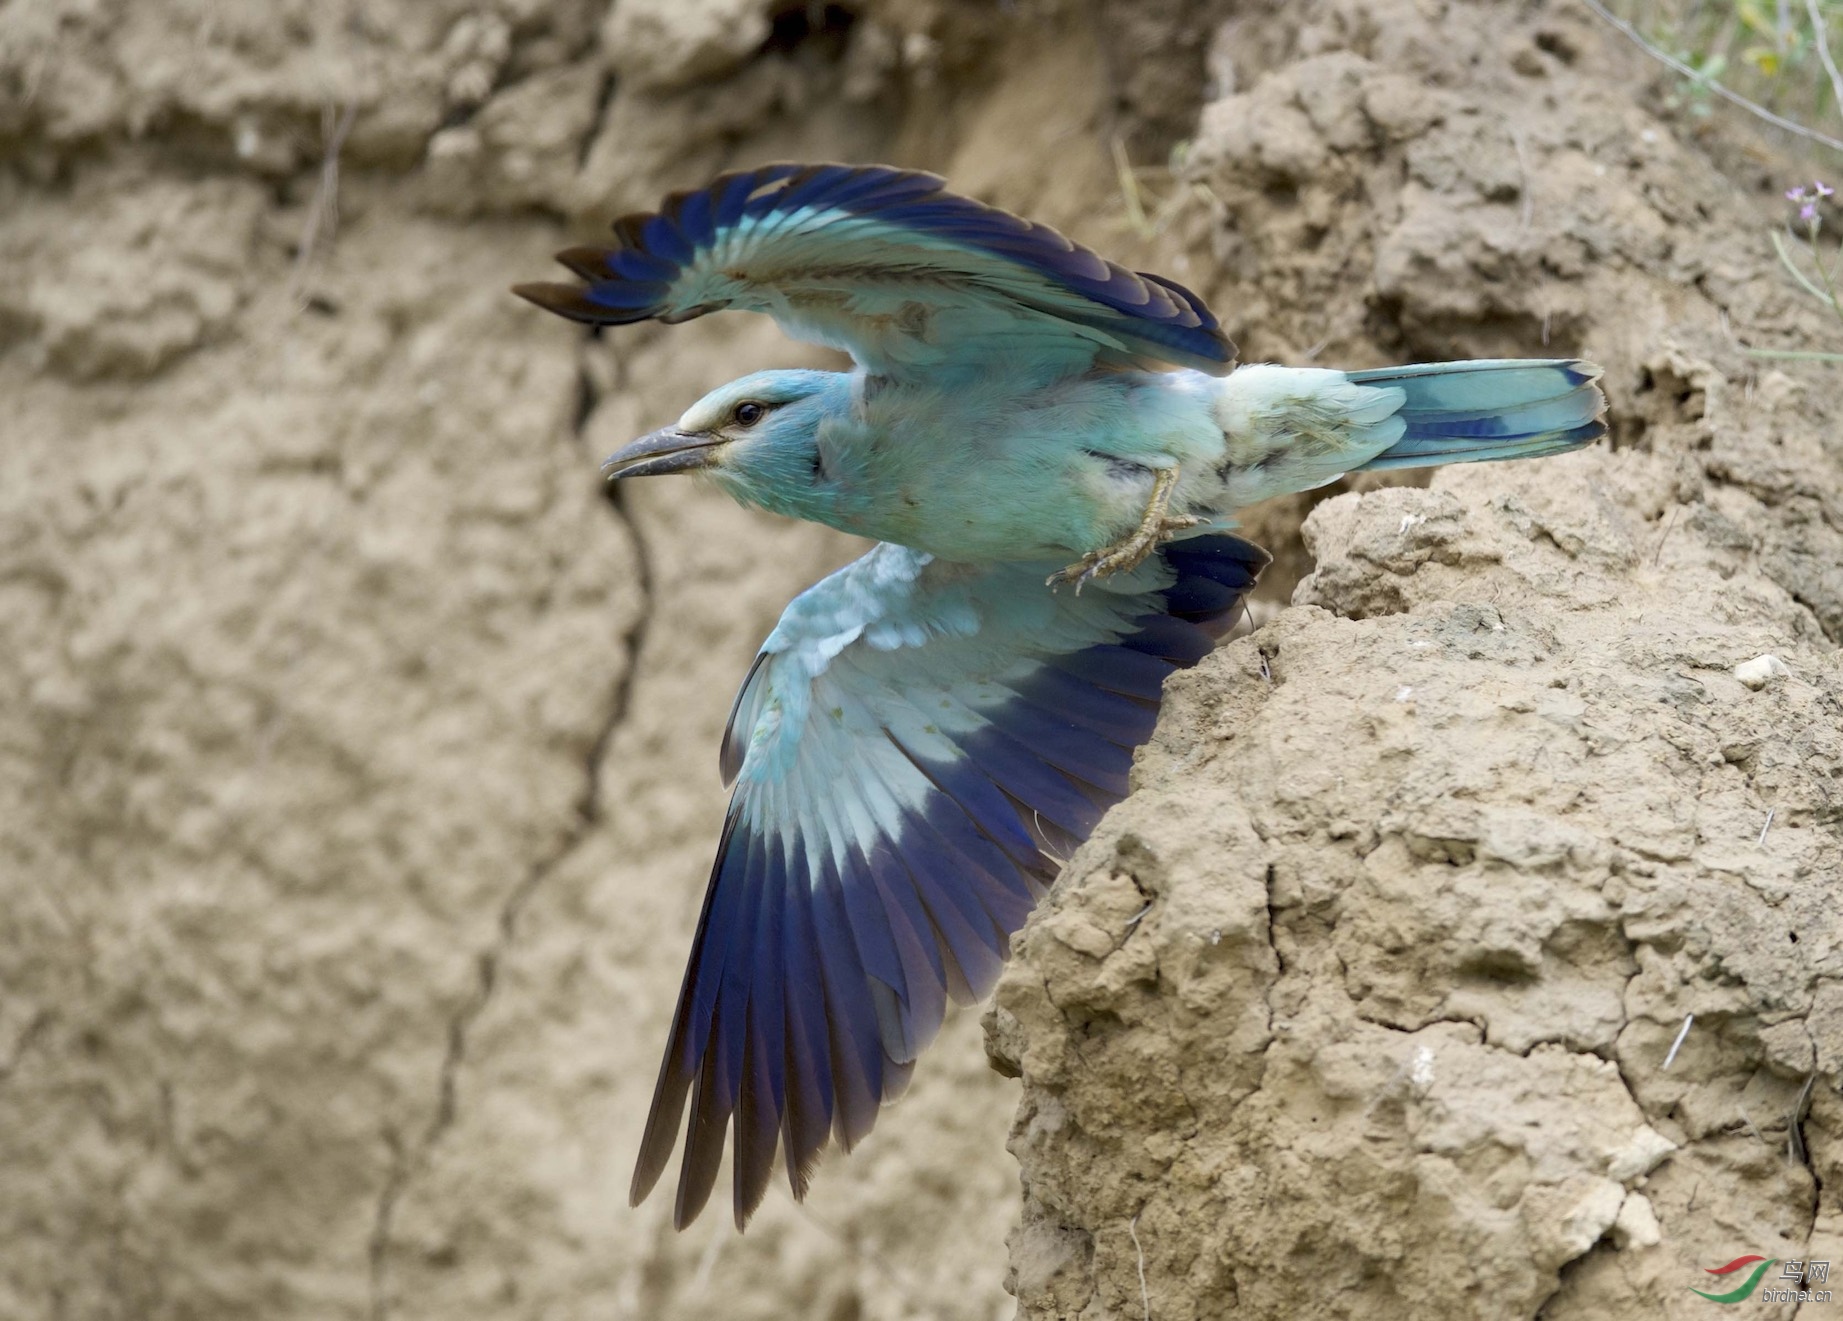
(919, 746)
(889, 266)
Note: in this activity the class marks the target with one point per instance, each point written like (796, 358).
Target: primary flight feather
(931, 730)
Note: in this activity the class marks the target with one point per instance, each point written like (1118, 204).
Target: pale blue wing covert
(910, 279)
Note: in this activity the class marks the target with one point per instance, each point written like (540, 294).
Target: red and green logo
(1739, 1293)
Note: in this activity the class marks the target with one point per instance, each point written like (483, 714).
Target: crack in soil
(407, 1161)
(28, 1037)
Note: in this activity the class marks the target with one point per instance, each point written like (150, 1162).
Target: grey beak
(662, 451)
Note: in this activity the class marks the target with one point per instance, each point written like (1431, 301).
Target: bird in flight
(929, 732)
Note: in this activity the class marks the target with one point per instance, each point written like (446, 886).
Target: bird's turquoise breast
(992, 472)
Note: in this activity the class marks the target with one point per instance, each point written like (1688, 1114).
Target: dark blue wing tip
(652, 246)
(567, 300)
(1227, 559)
(1215, 573)
(1217, 546)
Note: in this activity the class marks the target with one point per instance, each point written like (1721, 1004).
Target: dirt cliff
(357, 775)
(1367, 1002)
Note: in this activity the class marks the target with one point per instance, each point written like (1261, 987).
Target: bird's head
(757, 437)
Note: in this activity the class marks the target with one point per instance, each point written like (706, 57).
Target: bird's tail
(1492, 408)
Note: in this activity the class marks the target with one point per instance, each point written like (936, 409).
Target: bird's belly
(1057, 507)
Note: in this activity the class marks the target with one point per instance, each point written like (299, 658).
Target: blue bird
(928, 733)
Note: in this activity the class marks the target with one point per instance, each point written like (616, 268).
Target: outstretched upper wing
(889, 266)
(919, 746)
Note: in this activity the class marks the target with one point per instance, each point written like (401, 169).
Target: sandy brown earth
(357, 758)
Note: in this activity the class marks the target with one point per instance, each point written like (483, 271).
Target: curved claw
(1155, 528)
(1129, 553)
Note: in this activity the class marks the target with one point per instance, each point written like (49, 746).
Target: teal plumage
(929, 731)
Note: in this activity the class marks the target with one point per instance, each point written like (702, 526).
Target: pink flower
(1808, 213)
(1823, 189)
(1795, 194)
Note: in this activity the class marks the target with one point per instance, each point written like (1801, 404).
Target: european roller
(1049, 448)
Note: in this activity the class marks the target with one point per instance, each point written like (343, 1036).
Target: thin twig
(1768, 826)
(1677, 1045)
(1659, 553)
(1527, 209)
(323, 210)
(1727, 327)
(1129, 187)
(1169, 209)
(1145, 1297)
(1823, 273)
(1822, 38)
(1785, 260)
(1726, 94)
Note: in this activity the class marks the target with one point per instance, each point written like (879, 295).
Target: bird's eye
(748, 413)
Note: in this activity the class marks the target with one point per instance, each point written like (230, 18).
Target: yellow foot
(1154, 529)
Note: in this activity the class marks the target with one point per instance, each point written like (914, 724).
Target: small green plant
(1781, 58)
(1776, 51)
(1796, 254)
(1777, 43)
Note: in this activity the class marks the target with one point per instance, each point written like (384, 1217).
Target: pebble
(1760, 671)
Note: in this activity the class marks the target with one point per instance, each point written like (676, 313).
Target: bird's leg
(1158, 525)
